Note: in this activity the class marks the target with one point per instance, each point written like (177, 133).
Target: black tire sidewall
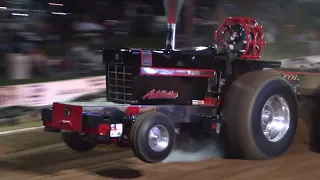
(75, 142)
(141, 138)
(275, 87)
(133, 135)
(115, 114)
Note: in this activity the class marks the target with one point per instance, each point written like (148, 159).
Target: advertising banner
(10, 95)
(42, 94)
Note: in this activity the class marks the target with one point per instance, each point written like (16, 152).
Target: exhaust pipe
(171, 39)
(172, 8)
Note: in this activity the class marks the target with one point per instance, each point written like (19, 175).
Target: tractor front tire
(152, 137)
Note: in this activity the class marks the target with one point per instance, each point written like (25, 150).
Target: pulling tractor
(224, 90)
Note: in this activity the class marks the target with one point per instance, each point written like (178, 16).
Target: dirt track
(38, 155)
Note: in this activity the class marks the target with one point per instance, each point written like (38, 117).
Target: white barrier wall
(313, 59)
(41, 94)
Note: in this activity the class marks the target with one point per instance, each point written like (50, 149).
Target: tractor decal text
(160, 94)
(291, 77)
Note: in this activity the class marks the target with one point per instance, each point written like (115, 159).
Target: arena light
(19, 14)
(55, 4)
(60, 13)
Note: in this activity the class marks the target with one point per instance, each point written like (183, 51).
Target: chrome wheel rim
(158, 138)
(275, 118)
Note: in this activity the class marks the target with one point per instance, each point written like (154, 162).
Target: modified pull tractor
(160, 94)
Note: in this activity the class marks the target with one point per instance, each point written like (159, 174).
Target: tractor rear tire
(243, 111)
(310, 113)
(140, 133)
(77, 143)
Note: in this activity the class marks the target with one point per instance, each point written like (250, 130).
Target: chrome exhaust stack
(171, 38)
(172, 8)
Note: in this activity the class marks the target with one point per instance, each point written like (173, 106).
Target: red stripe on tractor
(212, 101)
(133, 110)
(179, 72)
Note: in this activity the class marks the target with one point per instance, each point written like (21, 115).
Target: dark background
(291, 28)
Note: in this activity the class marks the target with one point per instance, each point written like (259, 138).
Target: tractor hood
(196, 57)
(202, 57)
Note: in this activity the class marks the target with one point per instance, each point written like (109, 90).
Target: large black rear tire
(310, 113)
(76, 142)
(242, 110)
(139, 136)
